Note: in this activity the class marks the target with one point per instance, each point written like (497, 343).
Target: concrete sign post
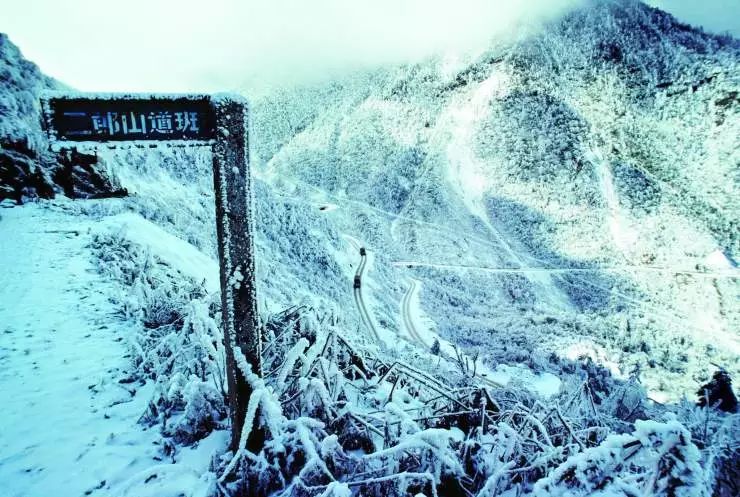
(220, 122)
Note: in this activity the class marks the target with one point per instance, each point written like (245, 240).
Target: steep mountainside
(23, 157)
(471, 273)
(22, 81)
(573, 191)
(28, 170)
(591, 166)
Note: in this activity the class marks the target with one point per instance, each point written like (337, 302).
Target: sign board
(220, 122)
(129, 118)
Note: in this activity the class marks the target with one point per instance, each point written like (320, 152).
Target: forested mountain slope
(595, 158)
(472, 273)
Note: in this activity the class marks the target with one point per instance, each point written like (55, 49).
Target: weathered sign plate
(130, 119)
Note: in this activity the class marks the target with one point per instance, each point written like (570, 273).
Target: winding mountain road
(406, 310)
(415, 336)
(357, 287)
(720, 274)
(406, 315)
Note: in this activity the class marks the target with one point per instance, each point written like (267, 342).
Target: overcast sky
(718, 16)
(187, 45)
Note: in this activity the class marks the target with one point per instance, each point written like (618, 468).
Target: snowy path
(68, 426)
(729, 273)
(62, 430)
(412, 313)
(406, 314)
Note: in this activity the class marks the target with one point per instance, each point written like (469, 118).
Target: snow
(71, 95)
(178, 253)
(511, 188)
(63, 361)
(468, 175)
(596, 353)
(467, 172)
(624, 238)
(663, 461)
(544, 384)
(718, 260)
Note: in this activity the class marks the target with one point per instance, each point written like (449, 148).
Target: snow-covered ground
(70, 408)
(558, 214)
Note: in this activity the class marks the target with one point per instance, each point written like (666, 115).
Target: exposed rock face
(28, 169)
(79, 175)
(21, 175)
(26, 175)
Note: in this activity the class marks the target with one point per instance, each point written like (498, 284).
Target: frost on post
(146, 120)
(234, 227)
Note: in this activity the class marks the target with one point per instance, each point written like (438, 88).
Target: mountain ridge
(593, 144)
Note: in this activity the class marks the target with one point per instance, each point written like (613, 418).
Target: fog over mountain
(718, 16)
(229, 44)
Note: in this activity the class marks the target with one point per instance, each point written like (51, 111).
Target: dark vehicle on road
(362, 251)
(357, 281)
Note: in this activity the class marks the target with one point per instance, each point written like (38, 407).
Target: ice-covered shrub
(187, 409)
(335, 418)
(717, 434)
(319, 406)
(178, 344)
(135, 268)
(657, 459)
